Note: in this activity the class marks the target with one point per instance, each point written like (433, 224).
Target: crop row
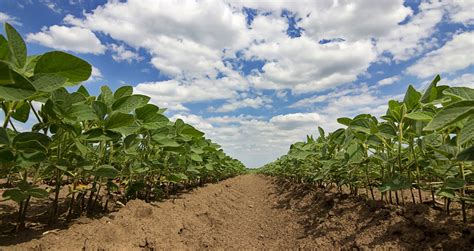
(423, 143)
(116, 142)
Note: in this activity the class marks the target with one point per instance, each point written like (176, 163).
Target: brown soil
(257, 212)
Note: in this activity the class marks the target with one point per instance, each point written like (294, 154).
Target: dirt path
(256, 212)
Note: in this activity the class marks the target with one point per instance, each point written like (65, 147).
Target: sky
(257, 76)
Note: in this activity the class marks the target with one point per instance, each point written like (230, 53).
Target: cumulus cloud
(75, 39)
(121, 53)
(389, 81)
(236, 104)
(453, 56)
(5, 18)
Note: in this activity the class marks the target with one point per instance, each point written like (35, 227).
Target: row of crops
(423, 144)
(113, 143)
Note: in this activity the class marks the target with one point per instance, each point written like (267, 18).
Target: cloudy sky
(258, 75)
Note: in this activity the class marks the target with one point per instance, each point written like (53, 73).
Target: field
(113, 172)
(254, 211)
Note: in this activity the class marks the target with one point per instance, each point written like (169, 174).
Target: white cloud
(75, 39)
(96, 75)
(304, 65)
(465, 80)
(121, 53)
(454, 55)
(413, 38)
(461, 11)
(389, 81)
(255, 103)
(5, 18)
(173, 94)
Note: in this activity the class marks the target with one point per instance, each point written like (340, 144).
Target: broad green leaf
(49, 83)
(15, 194)
(118, 119)
(17, 46)
(13, 86)
(22, 112)
(419, 116)
(196, 157)
(106, 171)
(412, 98)
(167, 142)
(464, 93)
(106, 95)
(6, 156)
(63, 64)
(100, 109)
(467, 132)
(123, 92)
(454, 183)
(129, 103)
(31, 141)
(430, 92)
(82, 90)
(37, 192)
(189, 130)
(466, 155)
(451, 114)
(344, 121)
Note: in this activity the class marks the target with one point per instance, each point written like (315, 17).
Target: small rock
(251, 206)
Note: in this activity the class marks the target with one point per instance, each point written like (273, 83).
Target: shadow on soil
(355, 222)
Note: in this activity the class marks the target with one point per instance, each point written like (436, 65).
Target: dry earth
(257, 212)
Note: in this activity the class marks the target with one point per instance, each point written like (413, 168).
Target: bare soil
(255, 212)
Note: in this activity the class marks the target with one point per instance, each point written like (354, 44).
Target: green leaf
(167, 142)
(189, 130)
(430, 92)
(6, 156)
(129, 103)
(419, 116)
(344, 121)
(4, 139)
(463, 93)
(37, 192)
(31, 141)
(451, 114)
(118, 120)
(82, 90)
(467, 132)
(454, 183)
(63, 64)
(22, 113)
(196, 157)
(17, 46)
(466, 155)
(49, 83)
(447, 193)
(100, 109)
(13, 86)
(412, 98)
(106, 171)
(123, 92)
(15, 194)
(106, 95)
(4, 50)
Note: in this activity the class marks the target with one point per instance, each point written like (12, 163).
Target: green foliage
(115, 140)
(425, 142)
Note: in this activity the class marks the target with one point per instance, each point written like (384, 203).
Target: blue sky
(257, 76)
